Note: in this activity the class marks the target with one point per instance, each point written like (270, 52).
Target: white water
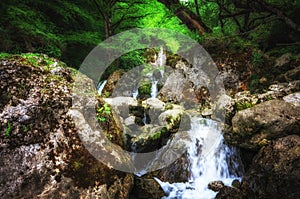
(101, 86)
(208, 158)
(135, 93)
(159, 62)
(161, 58)
(154, 89)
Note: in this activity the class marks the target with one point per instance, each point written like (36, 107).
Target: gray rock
(256, 126)
(275, 170)
(293, 98)
(173, 87)
(121, 105)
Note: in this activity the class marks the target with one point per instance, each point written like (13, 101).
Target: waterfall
(158, 64)
(154, 89)
(208, 157)
(135, 92)
(161, 58)
(101, 86)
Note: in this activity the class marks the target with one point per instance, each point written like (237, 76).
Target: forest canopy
(70, 29)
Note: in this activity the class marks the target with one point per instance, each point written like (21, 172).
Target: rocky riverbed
(42, 154)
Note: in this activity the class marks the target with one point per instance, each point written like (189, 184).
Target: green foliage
(103, 112)
(145, 88)
(257, 57)
(8, 130)
(77, 165)
(5, 56)
(26, 128)
(243, 105)
(49, 27)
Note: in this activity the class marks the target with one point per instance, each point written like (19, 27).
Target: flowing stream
(210, 160)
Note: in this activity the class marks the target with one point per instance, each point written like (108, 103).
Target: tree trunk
(190, 19)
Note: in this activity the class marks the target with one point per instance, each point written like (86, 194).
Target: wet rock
(236, 184)
(275, 170)
(230, 193)
(171, 118)
(216, 186)
(147, 187)
(256, 126)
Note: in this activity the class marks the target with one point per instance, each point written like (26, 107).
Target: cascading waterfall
(135, 92)
(101, 86)
(159, 63)
(161, 58)
(154, 89)
(208, 157)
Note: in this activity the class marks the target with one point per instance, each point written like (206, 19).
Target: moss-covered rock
(254, 127)
(42, 152)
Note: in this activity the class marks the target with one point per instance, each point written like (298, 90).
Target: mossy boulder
(150, 138)
(255, 127)
(43, 156)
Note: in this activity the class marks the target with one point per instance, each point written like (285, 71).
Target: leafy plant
(241, 106)
(103, 112)
(77, 165)
(8, 130)
(26, 128)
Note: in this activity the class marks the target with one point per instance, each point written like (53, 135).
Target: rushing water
(101, 86)
(161, 58)
(209, 161)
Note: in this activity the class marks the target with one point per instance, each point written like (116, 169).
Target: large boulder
(275, 171)
(150, 138)
(173, 88)
(256, 126)
(42, 155)
(121, 105)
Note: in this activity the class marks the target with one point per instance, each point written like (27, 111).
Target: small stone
(216, 186)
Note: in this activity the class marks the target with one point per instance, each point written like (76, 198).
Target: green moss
(169, 106)
(156, 135)
(145, 88)
(8, 130)
(159, 134)
(241, 106)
